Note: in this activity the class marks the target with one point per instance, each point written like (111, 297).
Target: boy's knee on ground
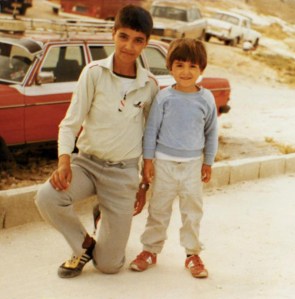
(107, 267)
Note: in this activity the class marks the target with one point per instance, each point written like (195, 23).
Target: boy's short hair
(187, 49)
(136, 18)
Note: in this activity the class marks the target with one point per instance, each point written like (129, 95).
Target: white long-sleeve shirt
(107, 133)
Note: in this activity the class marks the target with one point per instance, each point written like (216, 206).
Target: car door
(197, 23)
(47, 102)
(16, 60)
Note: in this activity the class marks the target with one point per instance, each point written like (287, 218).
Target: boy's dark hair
(134, 17)
(187, 49)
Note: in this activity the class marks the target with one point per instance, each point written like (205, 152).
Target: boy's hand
(206, 173)
(62, 176)
(140, 197)
(140, 201)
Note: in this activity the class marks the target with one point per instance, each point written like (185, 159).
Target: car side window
(65, 62)
(100, 52)
(156, 61)
(194, 14)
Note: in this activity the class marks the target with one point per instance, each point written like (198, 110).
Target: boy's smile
(185, 74)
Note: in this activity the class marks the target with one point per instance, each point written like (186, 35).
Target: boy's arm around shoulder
(154, 85)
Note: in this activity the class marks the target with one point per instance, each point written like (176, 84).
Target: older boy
(105, 103)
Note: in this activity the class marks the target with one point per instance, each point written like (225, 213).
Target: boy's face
(128, 44)
(185, 74)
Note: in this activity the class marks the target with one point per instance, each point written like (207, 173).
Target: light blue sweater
(182, 125)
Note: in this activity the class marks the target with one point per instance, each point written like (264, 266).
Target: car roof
(33, 43)
(232, 14)
(29, 45)
(175, 4)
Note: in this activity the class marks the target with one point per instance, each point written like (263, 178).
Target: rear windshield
(14, 63)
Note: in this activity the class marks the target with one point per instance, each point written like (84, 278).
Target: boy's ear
(113, 32)
(147, 41)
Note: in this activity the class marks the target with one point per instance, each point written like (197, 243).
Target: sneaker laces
(195, 261)
(73, 262)
(145, 256)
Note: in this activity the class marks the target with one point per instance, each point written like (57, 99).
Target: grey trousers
(115, 188)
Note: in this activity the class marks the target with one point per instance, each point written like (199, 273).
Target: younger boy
(181, 127)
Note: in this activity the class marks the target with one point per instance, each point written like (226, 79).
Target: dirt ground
(261, 120)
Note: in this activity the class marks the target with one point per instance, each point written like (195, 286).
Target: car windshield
(227, 18)
(14, 63)
(169, 13)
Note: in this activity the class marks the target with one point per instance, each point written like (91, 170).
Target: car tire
(234, 42)
(256, 43)
(202, 36)
(22, 11)
(5, 155)
(207, 37)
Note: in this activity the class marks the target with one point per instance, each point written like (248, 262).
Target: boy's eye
(139, 40)
(123, 36)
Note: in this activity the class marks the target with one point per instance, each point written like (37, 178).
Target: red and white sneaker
(196, 266)
(144, 260)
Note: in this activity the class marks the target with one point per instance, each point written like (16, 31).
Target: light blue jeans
(172, 179)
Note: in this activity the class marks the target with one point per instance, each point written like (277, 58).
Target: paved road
(248, 232)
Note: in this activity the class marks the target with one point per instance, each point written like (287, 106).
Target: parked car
(232, 29)
(100, 9)
(54, 4)
(38, 73)
(177, 19)
(15, 6)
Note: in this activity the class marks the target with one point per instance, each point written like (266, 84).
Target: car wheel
(5, 154)
(22, 11)
(256, 43)
(234, 42)
(207, 37)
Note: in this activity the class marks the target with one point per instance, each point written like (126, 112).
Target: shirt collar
(141, 73)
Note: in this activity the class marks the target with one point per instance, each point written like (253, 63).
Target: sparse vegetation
(274, 31)
(284, 66)
(283, 148)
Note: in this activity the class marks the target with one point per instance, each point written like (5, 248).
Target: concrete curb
(17, 206)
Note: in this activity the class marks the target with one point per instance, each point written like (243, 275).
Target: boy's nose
(186, 70)
(129, 45)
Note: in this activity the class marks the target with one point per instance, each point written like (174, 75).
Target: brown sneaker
(144, 260)
(196, 266)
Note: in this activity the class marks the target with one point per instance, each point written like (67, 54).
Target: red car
(39, 72)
